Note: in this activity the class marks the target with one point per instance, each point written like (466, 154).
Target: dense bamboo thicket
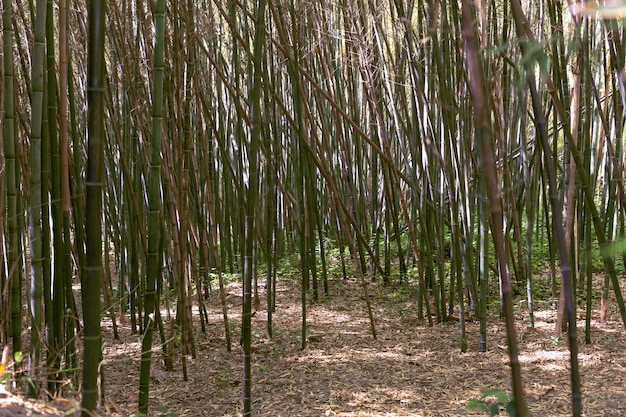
(472, 149)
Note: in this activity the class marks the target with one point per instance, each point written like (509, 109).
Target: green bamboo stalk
(58, 273)
(35, 191)
(46, 245)
(587, 257)
(272, 157)
(91, 278)
(154, 206)
(73, 322)
(12, 323)
(250, 202)
(78, 198)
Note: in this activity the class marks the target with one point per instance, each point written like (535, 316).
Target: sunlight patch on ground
(616, 330)
(319, 356)
(325, 316)
(388, 355)
(590, 359)
(552, 367)
(384, 398)
(543, 356)
(545, 326)
(545, 314)
(344, 355)
(548, 360)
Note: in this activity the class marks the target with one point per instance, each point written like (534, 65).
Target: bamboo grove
(474, 149)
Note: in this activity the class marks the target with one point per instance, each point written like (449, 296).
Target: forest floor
(410, 369)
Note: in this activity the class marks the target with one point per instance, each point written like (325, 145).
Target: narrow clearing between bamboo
(411, 370)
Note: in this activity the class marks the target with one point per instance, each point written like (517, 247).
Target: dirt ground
(410, 369)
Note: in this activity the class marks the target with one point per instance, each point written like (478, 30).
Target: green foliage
(288, 267)
(227, 277)
(493, 402)
(615, 248)
(223, 375)
(17, 357)
(333, 261)
(5, 377)
(541, 287)
(20, 378)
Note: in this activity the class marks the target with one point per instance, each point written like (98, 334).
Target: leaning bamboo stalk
(555, 205)
(484, 133)
(585, 187)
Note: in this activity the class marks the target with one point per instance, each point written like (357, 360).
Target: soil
(410, 369)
